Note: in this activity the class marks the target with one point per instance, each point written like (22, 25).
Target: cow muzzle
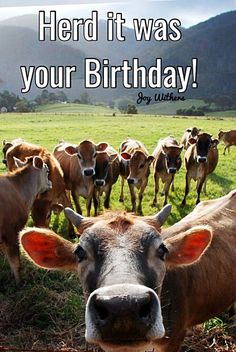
(99, 183)
(4, 161)
(172, 170)
(202, 159)
(88, 172)
(132, 181)
(123, 315)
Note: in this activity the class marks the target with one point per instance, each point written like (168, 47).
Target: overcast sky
(189, 12)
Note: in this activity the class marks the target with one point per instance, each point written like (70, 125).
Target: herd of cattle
(123, 277)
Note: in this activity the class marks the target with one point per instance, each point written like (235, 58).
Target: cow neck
(26, 182)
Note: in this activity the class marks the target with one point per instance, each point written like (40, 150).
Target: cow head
(86, 152)
(139, 164)
(103, 162)
(6, 146)
(121, 261)
(172, 157)
(40, 169)
(221, 135)
(203, 144)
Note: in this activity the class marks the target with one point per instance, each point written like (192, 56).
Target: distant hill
(213, 42)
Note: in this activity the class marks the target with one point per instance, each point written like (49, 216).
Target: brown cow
(229, 138)
(78, 164)
(200, 160)
(190, 132)
(49, 201)
(107, 171)
(7, 145)
(135, 167)
(18, 191)
(121, 261)
(166, 163)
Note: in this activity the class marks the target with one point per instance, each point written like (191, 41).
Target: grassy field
(47, 310)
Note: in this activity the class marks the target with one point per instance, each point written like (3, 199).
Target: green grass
(74, 108)
(47, 310)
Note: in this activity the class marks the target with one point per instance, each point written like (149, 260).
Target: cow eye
(95, 154)
(141, 166)
(79, 156)
(80, 253)
(162, 251)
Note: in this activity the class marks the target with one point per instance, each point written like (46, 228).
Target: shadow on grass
(225, 183)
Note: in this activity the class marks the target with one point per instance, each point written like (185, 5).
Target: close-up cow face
(139, 165)
(172, 158)
(121, 262)
(86, 152)
(203, 144)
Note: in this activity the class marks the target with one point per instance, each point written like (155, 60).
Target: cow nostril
(101, 311)
(130, 181)
(144, 311)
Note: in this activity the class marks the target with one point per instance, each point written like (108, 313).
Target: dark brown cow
(18, 191)
(142, 291)
(229, 138)
(107, 171)
(135, 167)
(166, 163)
(190, 132)
(49, 201)
(200, 159)
(78, 164)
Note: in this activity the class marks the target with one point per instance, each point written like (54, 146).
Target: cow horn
(163, 214)
(74, 217)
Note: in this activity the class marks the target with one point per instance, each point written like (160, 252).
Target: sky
(189, 12)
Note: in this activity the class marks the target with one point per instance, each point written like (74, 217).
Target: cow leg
(156, 179)
(76, 201)
(187, 184)
(122, 190)
(199, 189)
(204, 187)
(133, 197)
(13, 255)
(107, 198)
(173, 186)
(95, 203)
(140, 197)
(167, 188)
(89, 204)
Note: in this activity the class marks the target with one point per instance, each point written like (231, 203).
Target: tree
(131, 109)
(24, 106)
(8, 100)
(123, 105)
(85, 98)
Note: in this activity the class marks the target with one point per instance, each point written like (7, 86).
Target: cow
(200, 159)
(228, 137)
(78, 164)
(135, 167)
(52, 200)
(18, 191)
(166, 163)
(107, 170)
(129, 267)
(190, 132)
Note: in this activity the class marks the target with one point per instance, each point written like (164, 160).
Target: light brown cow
(78, 164)
(128, 270)
(107, 171)
(56, 196)
(200, 159)
(190, 132)
(229, 138)
(135, 167)
(6, 145)
(18, 191)
(166, 163)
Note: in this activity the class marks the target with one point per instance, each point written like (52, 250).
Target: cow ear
(47, 250)
(112, 157)
(192, 141)
(18, 162)
(150, 159)
(126, 156)
(38, 162)
(70, 150)
(101, 147)
(187, 248)
(189, 130)
(214, 143)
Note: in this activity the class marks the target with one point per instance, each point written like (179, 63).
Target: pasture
(47, 311)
